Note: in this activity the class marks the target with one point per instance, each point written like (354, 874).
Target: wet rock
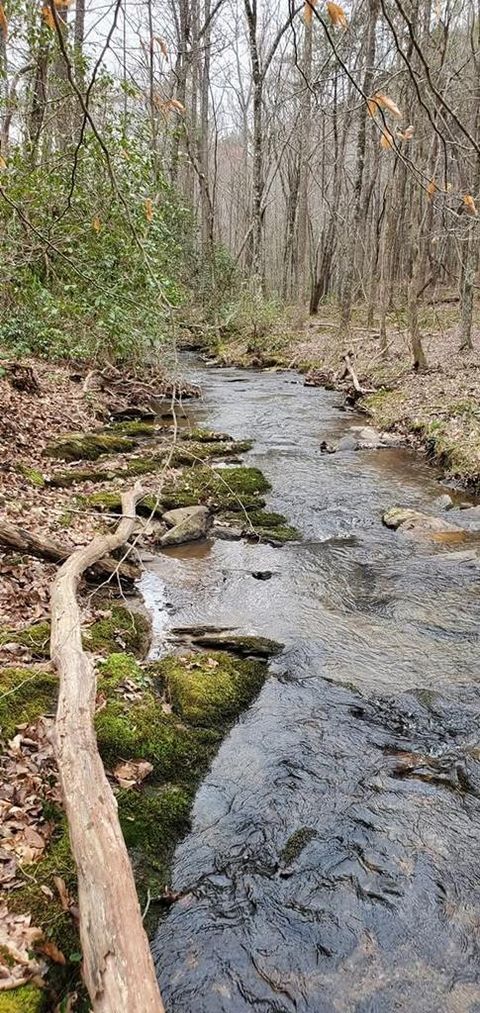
(180, 514)
(191, 528)
(471, 518)
(225, 640)
(226, 533)
(327, 448)
(419, 523)
(443, 502)
(262, 574)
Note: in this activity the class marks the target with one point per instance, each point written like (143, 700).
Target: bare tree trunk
(206, 220)
(117, 963)
(358, 215)
(257, 167)
(302, 253)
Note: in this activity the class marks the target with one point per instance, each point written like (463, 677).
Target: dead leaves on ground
(17, 937)
(132, 772)
(28, 779)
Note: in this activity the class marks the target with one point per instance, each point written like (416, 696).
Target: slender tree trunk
(359, 209)
(302, 253)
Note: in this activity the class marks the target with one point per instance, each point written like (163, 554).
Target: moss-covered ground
(181, 709)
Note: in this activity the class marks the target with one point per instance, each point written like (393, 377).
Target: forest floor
(71, 441)
(438, 410)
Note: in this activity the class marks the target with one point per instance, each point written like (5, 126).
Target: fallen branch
(359, 391)
(117, 963)
(44, 548)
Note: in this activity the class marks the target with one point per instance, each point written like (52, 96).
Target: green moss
(142, 731)
(27, 999)
(211, 690)
(273, 526)
(88, 446)
(36, 638)
(112, 502)
(25, 694)
(152, 822)
(221, 489)
(296, 843)
(199, 435)
(117, 668)
(122, 628)
(132, 428)
(32, 475)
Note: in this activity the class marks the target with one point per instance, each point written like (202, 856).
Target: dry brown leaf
(52, 951)
(372, 107)
(308, 10)
(3, 164)
(432, 188)
(149, 209)
(173, 103)
(406, 135)
(470, 204)
(132, 772)
(17, 936)
(337, 14)
(96, 224)
(387, 103)
(3, 21)
(386, 140)
(162, 44)
(48, 17)
(62, 892)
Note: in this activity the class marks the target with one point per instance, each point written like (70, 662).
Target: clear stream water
(364, 742)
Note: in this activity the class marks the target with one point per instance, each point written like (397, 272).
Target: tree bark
(117, 963)
(33, 545)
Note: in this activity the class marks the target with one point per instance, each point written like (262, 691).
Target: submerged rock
(193, 525)
(227, 533)
(419, 523)
(365, 438)
(443, 502)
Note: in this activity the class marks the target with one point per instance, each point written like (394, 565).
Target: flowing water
(334, 857)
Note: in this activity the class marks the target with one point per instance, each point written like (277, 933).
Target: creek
(334, 857)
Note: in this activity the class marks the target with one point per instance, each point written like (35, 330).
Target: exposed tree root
(118, 967)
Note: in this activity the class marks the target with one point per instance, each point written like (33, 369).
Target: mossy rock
(122, 628)
(118, 667)
(210, 690)
(199, 435)
(25, 694)
(133, 428)
(26, 999)
(193, 453)
(88, 446)
(273, 526)
(32, 475)
(143, 465)
(221, 489)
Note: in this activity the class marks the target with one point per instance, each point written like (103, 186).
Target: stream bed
(334, 857)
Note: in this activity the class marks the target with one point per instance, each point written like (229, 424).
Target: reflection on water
(363, 744)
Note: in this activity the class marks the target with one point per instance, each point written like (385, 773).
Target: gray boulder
(193, 525)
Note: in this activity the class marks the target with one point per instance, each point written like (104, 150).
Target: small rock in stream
(418, 523)
(193, 526)
(262, 574)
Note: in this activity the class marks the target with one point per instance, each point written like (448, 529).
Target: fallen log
(117, 963)
(25, 541)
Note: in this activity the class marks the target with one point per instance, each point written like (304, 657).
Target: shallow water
(376, 905)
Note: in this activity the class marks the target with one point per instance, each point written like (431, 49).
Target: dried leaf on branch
(308, 10)
(470, 205)
(337, 14)
(386, 140)
(3, 21)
